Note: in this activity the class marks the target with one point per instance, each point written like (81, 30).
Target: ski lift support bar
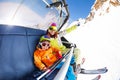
(62, 73)
(67, 16)
(46, 3)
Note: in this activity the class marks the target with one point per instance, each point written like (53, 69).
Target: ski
(95, 71)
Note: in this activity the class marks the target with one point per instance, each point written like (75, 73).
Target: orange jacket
(46, 58)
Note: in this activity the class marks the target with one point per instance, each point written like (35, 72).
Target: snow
(99, 42)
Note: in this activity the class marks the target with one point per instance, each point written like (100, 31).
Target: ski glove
(78, 24)
(58, 55)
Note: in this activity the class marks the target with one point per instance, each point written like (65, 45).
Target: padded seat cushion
(17, 45)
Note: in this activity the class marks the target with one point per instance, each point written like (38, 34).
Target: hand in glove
(78, 24)
(58, 54)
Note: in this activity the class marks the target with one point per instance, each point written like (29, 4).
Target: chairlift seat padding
(17, 45)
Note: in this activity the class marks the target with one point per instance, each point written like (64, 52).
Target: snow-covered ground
(99, 42)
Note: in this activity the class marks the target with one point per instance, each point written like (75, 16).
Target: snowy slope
(99, 42)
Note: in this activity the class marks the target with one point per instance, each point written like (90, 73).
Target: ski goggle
(53, 28)
(45, 44)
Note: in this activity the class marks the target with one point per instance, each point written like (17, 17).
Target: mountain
(101, 7)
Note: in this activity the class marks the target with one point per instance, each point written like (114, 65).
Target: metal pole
(62, 73)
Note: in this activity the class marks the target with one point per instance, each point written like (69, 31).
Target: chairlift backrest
(17, 45)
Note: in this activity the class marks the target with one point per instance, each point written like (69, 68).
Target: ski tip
(106, 69)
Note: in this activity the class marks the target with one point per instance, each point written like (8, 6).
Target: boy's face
(45, 45)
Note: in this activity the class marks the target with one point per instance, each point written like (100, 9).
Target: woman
(56, 36)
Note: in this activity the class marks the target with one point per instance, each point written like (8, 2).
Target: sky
(79, 8)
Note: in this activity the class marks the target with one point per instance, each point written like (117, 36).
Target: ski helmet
(44, 38)
(53, 27)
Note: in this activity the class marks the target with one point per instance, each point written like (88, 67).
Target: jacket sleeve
(68, 30)
(37, 61)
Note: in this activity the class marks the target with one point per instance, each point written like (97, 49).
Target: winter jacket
(56, 42)
(46, 58)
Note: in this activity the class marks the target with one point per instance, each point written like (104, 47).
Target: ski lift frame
(17, 16)
(62, 3)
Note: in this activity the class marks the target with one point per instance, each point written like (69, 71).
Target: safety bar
(62, 72)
